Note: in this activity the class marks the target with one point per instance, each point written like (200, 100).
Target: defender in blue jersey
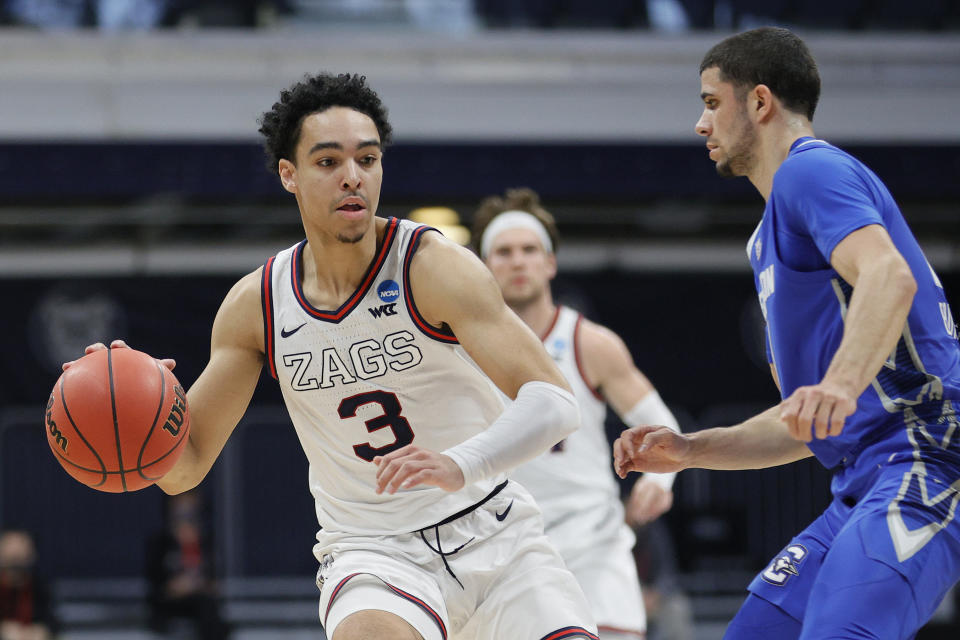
(864, 348)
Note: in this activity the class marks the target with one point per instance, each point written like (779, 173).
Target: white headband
(513, 220)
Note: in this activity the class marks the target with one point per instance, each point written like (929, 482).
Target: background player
(573, 482)
(384, 337)
(864, 348)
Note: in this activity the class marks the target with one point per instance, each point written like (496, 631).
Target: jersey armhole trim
(266, 302)
(443, 334)
(576, 357)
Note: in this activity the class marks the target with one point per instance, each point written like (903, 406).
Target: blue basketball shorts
(875, 569)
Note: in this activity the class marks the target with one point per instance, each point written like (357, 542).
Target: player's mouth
(711, 148)
(353, 207)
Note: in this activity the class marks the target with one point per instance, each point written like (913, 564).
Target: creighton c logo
(785, 565)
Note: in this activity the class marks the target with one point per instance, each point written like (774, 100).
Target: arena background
(133, 194)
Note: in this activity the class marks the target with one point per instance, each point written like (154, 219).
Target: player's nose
(351, 176)
(703, 126)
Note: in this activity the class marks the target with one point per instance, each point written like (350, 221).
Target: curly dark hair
(281, 125)
(517, 199)
(772, 56)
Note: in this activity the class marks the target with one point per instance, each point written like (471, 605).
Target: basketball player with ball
(387, 340)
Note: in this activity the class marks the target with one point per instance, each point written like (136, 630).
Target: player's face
(338, 172)
(521, 266)
(731, 136)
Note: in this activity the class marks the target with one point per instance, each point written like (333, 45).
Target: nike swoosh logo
(502, 516)
(286, 334)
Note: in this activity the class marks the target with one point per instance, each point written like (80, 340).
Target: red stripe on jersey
(640, 635)
(443, 335)
(400, 592)
(569, 632)
(423, 605)
(576, 357)
(333, 595)
(266, 302)
(553, 323)
(296, 268)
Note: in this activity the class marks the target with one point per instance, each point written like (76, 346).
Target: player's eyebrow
(339, 147)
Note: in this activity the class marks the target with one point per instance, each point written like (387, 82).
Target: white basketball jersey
(573, 482)
(368, 378)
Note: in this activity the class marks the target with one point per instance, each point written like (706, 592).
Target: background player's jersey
(573, 482)
(368, 378)
(820, 195)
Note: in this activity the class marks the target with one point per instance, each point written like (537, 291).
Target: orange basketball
(117, 420)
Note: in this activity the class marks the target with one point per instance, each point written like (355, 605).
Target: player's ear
(761, 100)
(288, 175)
(552, 264)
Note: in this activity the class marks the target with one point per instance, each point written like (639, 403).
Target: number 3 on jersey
(390, 417)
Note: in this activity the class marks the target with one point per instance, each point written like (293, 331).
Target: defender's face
(731, 136)
(338, 172)
(521, 265)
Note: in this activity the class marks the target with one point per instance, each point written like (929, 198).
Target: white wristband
(651, 410)
(542, 415)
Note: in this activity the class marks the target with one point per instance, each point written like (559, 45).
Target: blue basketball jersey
(820, 195)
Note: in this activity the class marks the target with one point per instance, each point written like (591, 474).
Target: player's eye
(325, 162)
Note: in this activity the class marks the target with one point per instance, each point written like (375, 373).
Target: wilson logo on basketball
(55, 432)
(175, 419)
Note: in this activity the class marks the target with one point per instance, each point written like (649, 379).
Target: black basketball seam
(150, 464)
(103, 470)
(116, 423)
(111, 473)
(163, 394)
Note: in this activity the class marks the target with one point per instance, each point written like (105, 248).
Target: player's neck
(538, 314)
(333, 268)
(773, 147)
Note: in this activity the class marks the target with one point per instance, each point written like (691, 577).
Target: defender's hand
(410, 466)
(818, 410)
(650, 448)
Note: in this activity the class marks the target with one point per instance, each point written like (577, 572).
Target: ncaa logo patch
(785, 565)
(389, 291)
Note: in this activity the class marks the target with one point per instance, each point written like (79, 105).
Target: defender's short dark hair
(282, 124)
(518, 199)
(772, 56)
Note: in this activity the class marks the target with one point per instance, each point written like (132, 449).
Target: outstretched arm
(759, 442)
(219, 397)
(453, 287)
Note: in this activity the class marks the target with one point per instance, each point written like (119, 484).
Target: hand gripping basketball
(117, 419)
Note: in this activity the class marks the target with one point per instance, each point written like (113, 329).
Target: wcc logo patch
(785, 565)
(389, 292)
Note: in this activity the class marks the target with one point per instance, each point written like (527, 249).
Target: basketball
(117, 420)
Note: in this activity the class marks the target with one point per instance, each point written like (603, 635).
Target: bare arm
(453, 287)
(608, 365)
(883, 292)
(219, 397)
(759, 442)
